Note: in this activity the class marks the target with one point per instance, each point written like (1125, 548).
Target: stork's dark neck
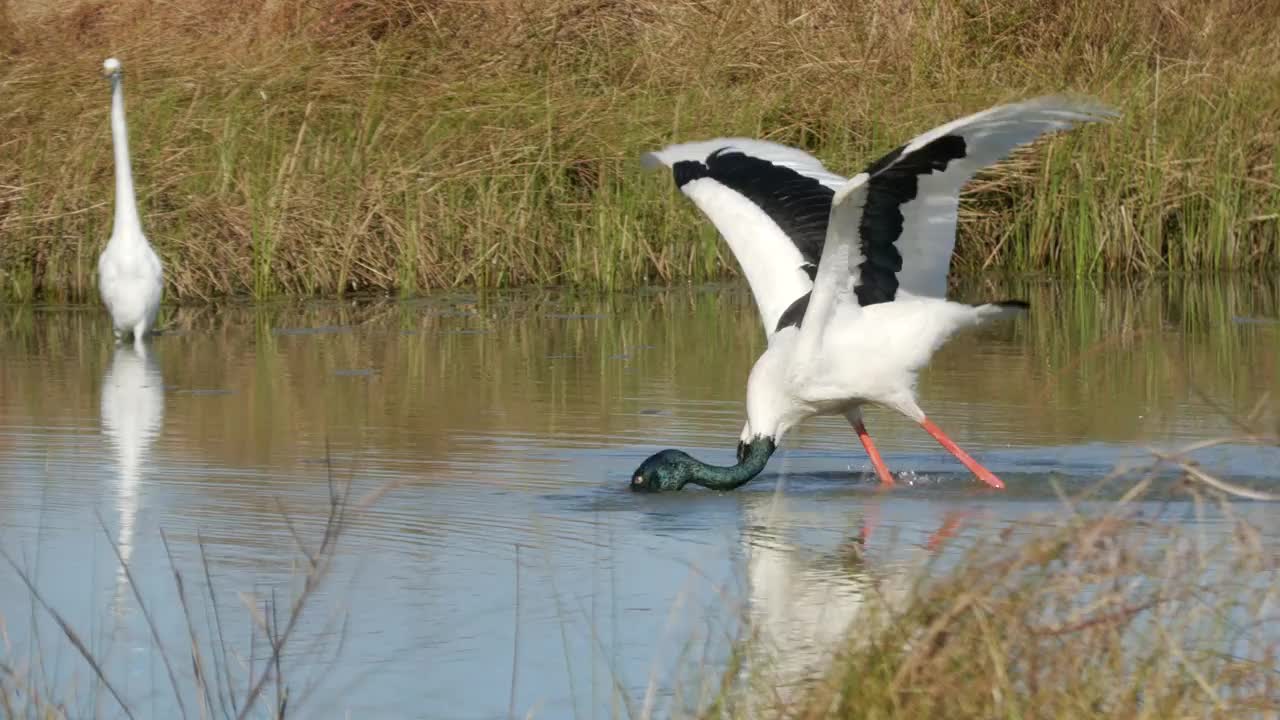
(673, 469)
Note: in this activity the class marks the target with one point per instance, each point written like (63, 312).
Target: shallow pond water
(509, 571)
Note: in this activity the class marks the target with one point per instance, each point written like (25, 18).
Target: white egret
(130, 276)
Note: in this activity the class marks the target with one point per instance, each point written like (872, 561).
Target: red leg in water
(886, 480)
(951, 522)
(983, 474)
(869, 522)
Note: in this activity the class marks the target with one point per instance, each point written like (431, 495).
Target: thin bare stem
(70, 634)
(197, 656)
(146, 614)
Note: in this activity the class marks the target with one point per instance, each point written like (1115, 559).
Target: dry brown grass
(343, 145)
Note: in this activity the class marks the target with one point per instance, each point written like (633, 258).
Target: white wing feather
(929, 222)
(769, 260)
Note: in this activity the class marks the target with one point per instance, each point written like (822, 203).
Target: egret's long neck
(126, 217)
(717, 477)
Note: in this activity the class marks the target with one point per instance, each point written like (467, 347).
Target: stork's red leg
(983, 474)
(886, 480)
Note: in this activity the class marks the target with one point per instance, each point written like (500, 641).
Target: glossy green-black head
(672, 469)
(663, 472)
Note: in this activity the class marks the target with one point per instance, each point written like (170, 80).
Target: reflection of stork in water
(132, 413)
(803, 604)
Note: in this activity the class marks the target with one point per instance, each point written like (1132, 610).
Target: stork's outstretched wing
(892, 226)
(769, 201)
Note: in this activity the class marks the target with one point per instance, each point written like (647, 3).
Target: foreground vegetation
(413, 144)
(1123, 610)
(207, 673)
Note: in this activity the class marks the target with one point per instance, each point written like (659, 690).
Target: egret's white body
(130, 276)
(850, 276)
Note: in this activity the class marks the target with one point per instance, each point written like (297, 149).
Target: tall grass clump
(402, 145)
(1160, 604)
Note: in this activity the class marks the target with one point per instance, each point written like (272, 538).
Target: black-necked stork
(849, 275)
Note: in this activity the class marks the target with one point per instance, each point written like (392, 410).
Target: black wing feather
(800, 205)
(894, 182)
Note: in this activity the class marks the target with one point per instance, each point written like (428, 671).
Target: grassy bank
(415, 144)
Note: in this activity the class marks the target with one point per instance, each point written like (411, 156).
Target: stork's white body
(130, 276)
(850, 276)
(872, 356)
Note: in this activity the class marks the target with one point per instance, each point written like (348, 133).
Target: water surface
(510, 570)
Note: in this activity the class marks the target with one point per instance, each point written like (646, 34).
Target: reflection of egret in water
(804, 601)
(132, 412)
